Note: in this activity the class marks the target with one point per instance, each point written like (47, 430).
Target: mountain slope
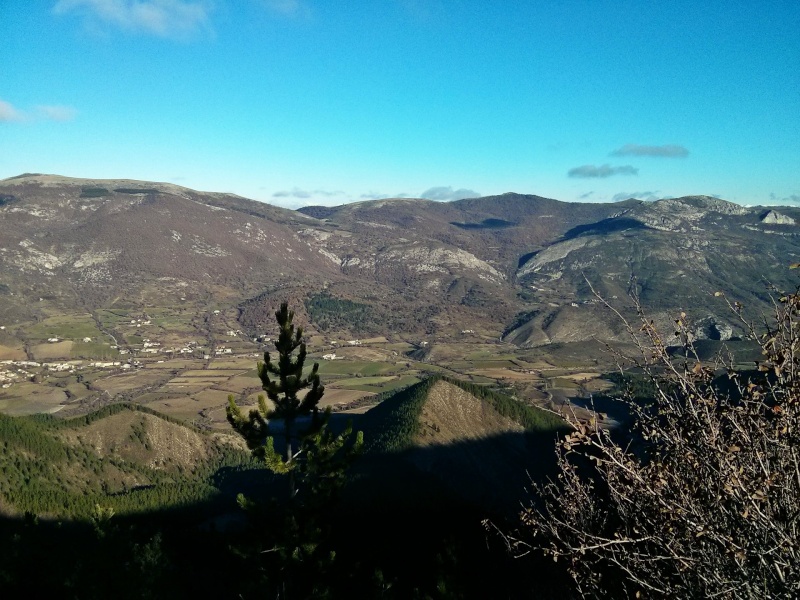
(123, 457)
(674, 253)
(87, 241)
(468, 440)
(513, 264)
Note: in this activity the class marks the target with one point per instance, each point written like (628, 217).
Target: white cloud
(790, 199)
(666, 151)
(293, 193)
(298, 197)
(593, 171)
(381, 196)
(328, 194)
(56, 113)
(301, 193)
(446, 193)
(162, 18)
(8, 113)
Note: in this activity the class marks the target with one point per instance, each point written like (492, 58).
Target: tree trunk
(287, 432)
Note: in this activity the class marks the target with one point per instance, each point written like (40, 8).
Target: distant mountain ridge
(417, 267)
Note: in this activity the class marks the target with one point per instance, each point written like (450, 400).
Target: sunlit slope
(459, 437)
(123, 457)
(513, 265)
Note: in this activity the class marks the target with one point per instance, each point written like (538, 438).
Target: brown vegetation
(702, 499)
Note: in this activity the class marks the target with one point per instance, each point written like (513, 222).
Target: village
(149, 351)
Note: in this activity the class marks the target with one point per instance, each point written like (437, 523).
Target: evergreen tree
(282, 382)
(299, 534)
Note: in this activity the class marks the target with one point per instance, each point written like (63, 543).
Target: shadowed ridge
(447, 439)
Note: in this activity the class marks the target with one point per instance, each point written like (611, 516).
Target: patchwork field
(116, 384)
(185, 360)
(505, 374)
(70, 327)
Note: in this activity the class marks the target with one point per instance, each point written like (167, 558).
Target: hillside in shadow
(128, 503)
(400, 531)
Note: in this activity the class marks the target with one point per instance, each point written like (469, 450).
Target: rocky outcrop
(773, 217)
(711, 328)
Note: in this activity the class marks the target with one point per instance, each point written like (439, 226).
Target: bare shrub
(702, 499)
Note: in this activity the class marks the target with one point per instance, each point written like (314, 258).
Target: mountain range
(512, 266)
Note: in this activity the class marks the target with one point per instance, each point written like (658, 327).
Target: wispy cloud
(667, 151)
(445, 193)
(301, 193)
(593, 171)
(792, 198)
(381, 196)
(162, 18)
(56, 113)
(295, 193)
(585, 196)
(298, 197)
(649, 196)
(10, 113)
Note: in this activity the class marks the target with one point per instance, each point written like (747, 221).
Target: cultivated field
(164, 359)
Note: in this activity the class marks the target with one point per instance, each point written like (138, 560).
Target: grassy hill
(444, 440)
(131, 459)
(124, 457)
(445, 410)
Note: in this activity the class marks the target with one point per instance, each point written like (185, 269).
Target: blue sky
(298, 102)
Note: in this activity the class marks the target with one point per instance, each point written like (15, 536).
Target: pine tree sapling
(321, 456)
(282, 382)
(316, 470)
